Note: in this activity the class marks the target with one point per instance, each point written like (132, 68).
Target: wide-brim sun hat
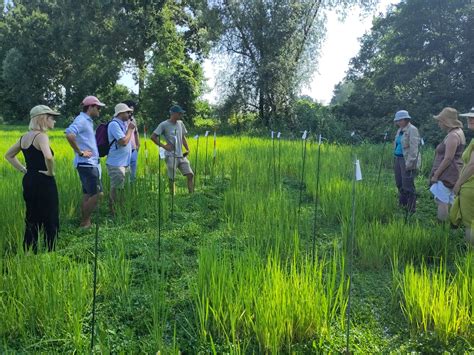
(92, 100)
(449, 117)
(402, 115)
(120, 108)
(468, 114)
(42, 110)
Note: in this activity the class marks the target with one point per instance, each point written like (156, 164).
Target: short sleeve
(115, 130)
(159, 130)
(183, 127)
(75, 127)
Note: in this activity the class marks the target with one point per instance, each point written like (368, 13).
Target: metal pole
(274, 159)
(302, 171)
(279, 156)
(94, 294)
(381, 158)
(316, 201)
(146, 149)
(350, 251)
(196, 160)
(172, 187)
(207, 144)
(214, 154)
(159, 203)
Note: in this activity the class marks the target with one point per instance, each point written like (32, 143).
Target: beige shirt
(411, 146)
(173, 134)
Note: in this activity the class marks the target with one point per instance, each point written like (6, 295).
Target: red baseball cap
(91, 100)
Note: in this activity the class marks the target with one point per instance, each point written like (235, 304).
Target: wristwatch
(81, 154)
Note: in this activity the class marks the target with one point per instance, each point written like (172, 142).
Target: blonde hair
(39, 123)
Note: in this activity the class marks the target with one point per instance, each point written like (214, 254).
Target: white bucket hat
(119, 108)
(468, 114)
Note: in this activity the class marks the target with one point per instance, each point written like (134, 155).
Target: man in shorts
(174, 132)
(120, 132)
(81, 136)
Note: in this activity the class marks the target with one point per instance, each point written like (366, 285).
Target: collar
(404, 129)
(86, 116)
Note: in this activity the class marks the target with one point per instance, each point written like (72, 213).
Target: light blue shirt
(119, 155)
(83, 128)
(398, 145)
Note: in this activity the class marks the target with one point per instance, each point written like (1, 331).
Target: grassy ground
(243, 226)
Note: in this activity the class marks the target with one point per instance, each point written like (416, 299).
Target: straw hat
(449, 118)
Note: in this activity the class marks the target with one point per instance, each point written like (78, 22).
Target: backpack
(102, 139)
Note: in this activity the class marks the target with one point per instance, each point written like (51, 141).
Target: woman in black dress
(39, 185)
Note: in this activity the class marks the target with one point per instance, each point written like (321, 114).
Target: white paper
(352, 134)
(385, 136)
(273, 134)
(279, 135)
(358, 171)
(422, 141)
(162, 153)
(305, 133)
(206, 134)
(196, 136)
(320, 138)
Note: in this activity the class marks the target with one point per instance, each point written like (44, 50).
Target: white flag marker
(358, 171)
(320, 138)
(278, 135)
(273, 134)
(196, 136)
(206, 134)
(305, 133)
(162, 153)
(353, 134)
(422, 141)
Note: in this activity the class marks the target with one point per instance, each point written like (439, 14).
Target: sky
(341, 44)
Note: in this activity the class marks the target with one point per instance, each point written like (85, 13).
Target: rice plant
(438, 300)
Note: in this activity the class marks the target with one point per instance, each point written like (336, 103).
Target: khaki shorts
(178, 163)
(117, 175)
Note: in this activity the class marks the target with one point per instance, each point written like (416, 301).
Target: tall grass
(437, 300)
(44, 301)
(377, 243)
(273, 304)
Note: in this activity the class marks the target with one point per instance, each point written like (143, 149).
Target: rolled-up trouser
(405, 180)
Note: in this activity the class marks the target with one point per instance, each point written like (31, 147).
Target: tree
(174, 77)
(418, 57)
(52, 57)
(274, 47)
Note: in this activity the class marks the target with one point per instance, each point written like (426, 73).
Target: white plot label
(358, 172)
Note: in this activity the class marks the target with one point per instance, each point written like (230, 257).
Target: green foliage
(418, 58)
(273, 46)
(437, 300)
(175, 78)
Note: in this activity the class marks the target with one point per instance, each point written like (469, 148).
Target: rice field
(263, 258)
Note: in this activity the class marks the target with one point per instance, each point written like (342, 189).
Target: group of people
(39, 186)
(451, 179)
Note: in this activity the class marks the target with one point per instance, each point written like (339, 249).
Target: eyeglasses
(130, 113)
(98, 107)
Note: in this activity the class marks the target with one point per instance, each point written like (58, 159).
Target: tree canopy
(419, 57)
